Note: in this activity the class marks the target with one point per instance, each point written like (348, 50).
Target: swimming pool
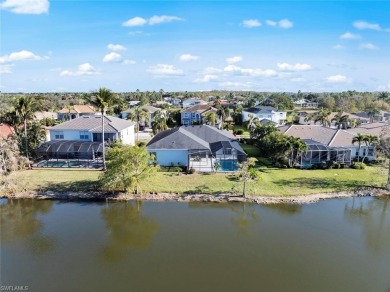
(228, 164)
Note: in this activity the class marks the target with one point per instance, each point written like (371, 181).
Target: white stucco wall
(277, 117)
(127, 136)
(69, 135)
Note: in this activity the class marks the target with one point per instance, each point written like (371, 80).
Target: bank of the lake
(276, 185)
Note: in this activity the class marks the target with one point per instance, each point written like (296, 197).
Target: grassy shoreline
(275, 182)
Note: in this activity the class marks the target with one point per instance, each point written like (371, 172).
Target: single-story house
(201, 147)
(265, 112)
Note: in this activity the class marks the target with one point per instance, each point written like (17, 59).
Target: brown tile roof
(317, 133)
(199, 108)
(5, 131)
(78, 108)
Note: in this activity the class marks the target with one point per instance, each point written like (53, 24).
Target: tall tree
(138, 115)
(102, 99)
(210, 118)
(369, 140)
(223, 113)
(359, 138)
(252, 121)
(372, 112)
(25, 106)
(127, 167)
(160, 121)
(322, 116)
(341, 120)
(384, 95)
(384, 147)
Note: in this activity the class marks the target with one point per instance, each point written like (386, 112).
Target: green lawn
(251, 150)
(286, 182)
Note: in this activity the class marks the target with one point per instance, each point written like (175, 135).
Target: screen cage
(81, 154)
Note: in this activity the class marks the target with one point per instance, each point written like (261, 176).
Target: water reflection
(373, 216)
(19, 222)
(285, 209)
(245, 215)
(129, 230)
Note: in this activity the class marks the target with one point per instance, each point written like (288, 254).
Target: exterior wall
(166, 157)
(190, 118)
(219, 154)
(364, 150)
(277, 117)
(127, 136)
(69, 135)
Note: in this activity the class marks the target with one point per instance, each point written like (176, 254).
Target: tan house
(76, 111)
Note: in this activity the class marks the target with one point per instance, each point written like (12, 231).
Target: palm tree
(160, 121)
(252, 121)
(223, 112)
(322, 116)
(210, 117)
(369, 140)
(359, 138)
(340, 120)
(383, 96)
(139, 114)
(102, 99)
(25, 106)
(295, 146)
(372, 112)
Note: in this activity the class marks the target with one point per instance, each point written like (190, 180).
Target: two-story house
(195, 114)
(75, 111)
(265, 112)
(151, 112)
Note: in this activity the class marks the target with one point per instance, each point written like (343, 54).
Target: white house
(192, 101)
(89, 129)
(265, 112)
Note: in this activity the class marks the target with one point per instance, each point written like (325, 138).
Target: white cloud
(116, 48)
(6, 68)
(83, 69)
(368, 46)
(234, 59)
(285, 23)
(349, 36)
(112, 57)
(271, 22)
(136, 32)
(294, 67)
(18, 56)
(249, 71)
(129, 62)
(336, 79)
(212, 70)
(135, 21)
(366, 25)
(298, 79)
(156, 19)
(206, 78)
(163, 18)
(26, 6)
(165, 70)
(251, 23)
(338, 47)
(188, 57)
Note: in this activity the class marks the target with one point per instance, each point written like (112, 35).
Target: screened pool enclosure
(67, 153)
(318, 153)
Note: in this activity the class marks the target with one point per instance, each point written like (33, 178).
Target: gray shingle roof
(261, 110)
(93, 124)
(194, 138)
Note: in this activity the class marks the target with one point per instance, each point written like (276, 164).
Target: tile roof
(199, 108)
(315, 132)
(370, 129)
(93, 124)
(5, 131)
(78, 108)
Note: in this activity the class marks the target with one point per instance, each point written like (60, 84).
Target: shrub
(239, 132)
(192, 170)
(359, 165)
(342, 165)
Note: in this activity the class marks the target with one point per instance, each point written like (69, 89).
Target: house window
(227, 151)
(84, 135)
(59, 135)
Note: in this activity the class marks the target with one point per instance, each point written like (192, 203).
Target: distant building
(195, 114)
(265, 112)
(305, 103)
(192, 101)
(76, 111)
(151, 110)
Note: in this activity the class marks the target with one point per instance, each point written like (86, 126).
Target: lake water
(334, 245)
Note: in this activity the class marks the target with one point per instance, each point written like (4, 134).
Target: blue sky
(312, 46)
